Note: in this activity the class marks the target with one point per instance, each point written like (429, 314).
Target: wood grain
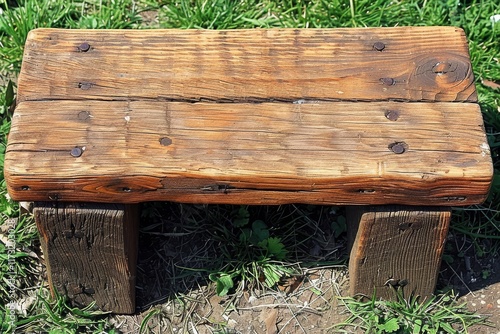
(396, 248)
(249, 116)
(266, 153)
(91, 252)
(424, 63)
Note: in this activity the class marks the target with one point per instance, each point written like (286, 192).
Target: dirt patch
(483, 297)
(311, 308)
(149, 19)
(486, 302)
(472, 270)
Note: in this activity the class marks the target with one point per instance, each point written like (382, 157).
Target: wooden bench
(382, 120)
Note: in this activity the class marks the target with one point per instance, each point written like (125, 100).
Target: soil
(184, 301)
(474, 274)
(486, 301)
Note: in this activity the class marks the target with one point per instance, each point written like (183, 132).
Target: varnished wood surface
(90, 252)
(396, 248)
(415, 64)
(249, 153)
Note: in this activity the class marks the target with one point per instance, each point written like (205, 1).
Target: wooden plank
(251, 153)
(396, 248)
(91, 252)
(405, 63)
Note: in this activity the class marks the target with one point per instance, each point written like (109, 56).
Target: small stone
(483, 302)
(231, 323)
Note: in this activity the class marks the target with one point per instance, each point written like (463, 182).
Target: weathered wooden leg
(91, 252)
(396, 247)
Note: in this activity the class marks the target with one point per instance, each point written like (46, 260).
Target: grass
(408, 315)
(276, 246)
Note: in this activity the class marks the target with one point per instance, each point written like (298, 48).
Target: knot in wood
(439, 70)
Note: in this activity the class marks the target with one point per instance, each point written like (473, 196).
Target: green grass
(441, 314)
(53, 315)
(272, 248)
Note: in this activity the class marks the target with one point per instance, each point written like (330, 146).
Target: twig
(461, 280)
(300, 307)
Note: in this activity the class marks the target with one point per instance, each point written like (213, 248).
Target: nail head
(165, 141)
(388, 81)
(403, 282)
(84, 47)
(76, 152)
(392, 282)
(83, 115)
(404, 226)
(89, 291)
(84, 85)
(398, 147)
(379, 46)
(392, 115)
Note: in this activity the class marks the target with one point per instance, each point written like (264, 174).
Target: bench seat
(245, 153)
(251, 116)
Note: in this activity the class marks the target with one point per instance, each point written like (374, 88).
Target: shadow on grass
(181, 245)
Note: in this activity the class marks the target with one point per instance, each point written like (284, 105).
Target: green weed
(53, 315)
(98, 14)
(17, 261)
(250, 255)
(17, 21)
(438, 314)
(216, 14)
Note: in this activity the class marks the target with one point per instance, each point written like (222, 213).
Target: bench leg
(396, 247)
(91, 252)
